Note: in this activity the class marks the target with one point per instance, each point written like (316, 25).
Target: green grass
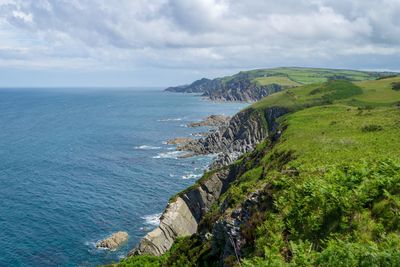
(379, 92)
(294, 76)
(335, 134)
(336, 198)
(281, 80)
(332, 182)
(373, 93)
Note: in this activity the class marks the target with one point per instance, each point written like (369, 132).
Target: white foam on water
(191, 176)
(152, 219)
(170, 119)
(169, 155)
(121, 256)
(90, 244)
(146, 147)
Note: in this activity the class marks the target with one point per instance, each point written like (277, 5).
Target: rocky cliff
(241, 90)
(199, 86)
(255, 84)
(244, 131)
(238, 89)
(185, 211)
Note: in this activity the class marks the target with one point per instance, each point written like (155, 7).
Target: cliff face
(245, 130)
(184, 213)
(255, 84)
(199, 86)
(241, 90)
(238, 89)
(298, 199)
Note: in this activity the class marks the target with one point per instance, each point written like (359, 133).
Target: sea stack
(114, 241)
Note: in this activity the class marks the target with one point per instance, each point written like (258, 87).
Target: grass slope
(332, 180)
(294, 76)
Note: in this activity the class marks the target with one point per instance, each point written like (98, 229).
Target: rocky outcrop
(229, 232)
(211, 121)
(240, 88)
(184, 212)
(244, 131)
(179, 141)
(199, 86)
(182, 215)
(114, 241)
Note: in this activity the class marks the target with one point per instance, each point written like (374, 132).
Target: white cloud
(197, 34)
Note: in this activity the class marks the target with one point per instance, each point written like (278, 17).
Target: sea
(77, 165)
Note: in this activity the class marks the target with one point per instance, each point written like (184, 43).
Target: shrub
(371, 128)
(141, 261)
(396, 86)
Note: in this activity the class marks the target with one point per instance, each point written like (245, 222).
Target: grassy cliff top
(371, 93)
(332, 184)
(295, 76)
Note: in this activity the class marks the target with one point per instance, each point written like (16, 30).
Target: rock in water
(211, 121)
(179, 141)
(114, 241)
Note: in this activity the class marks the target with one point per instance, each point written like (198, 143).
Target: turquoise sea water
(76, 166)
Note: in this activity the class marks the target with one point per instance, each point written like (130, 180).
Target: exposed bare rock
(244, 131)
(240, 88)
(182, 215)
(227, 232)
(179, 141)
(201, 134)
(113, 241)
(212, 121)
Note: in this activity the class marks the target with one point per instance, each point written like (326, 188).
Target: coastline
(186, 209)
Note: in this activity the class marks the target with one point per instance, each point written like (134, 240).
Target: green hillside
(330, 185)
(252, 85)
(293, 76)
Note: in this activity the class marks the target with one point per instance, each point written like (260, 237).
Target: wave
(170, 119)
(191, 176)
(152, 219)
(90, 244)
(145, 147)
(169, 155)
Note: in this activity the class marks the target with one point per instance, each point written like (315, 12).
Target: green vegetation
(281, 80)
(330, 185)
(294, 76)
(372, 93)
(379, 92)
(396, 86)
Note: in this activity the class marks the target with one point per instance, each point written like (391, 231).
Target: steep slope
(253, 85)
(326, 192)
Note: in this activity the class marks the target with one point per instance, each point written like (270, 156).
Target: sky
(122, 43)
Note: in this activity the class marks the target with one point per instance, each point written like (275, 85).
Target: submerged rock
(114, 241)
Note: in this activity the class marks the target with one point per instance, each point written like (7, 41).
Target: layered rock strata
(244, 131)
(113, 241)
(183, 214)
(238, 89)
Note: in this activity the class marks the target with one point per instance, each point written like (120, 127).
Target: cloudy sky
(167, 42)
